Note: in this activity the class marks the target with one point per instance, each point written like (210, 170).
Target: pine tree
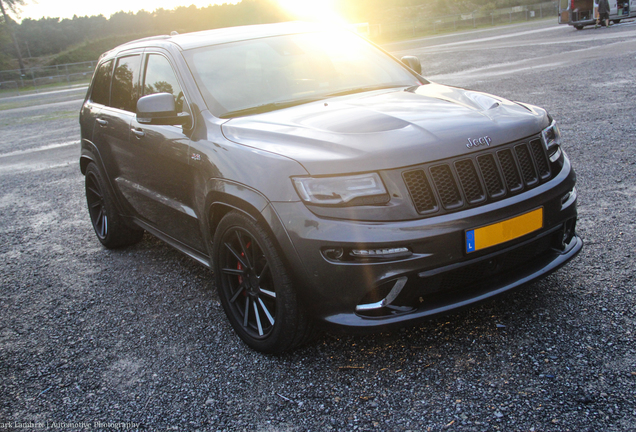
(12, 5)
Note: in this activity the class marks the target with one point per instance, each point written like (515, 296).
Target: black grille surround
(476, 179)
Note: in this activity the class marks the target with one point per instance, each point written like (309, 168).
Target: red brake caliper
(239, 266)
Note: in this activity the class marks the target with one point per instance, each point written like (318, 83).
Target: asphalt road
(94, 339)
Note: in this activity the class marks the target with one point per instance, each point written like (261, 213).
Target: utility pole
(7, 22)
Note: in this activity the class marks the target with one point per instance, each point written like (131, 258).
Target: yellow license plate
(501, 232)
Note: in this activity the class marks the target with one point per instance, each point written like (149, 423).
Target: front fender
(226, 195)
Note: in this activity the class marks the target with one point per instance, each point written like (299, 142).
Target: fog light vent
(568, 231)
(334, 254)
(563, 237)
(386, 302)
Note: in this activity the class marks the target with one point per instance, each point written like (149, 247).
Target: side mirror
(412, 62)
(160, 109)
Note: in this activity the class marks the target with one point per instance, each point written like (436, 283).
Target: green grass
(35, 89)
(39, 119)
(13, 104)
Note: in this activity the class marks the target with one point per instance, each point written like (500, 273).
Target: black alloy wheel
(96, 207)
(110, 227)
(254, 287)
(249, 284)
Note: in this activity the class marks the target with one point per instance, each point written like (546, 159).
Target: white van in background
(579, 13)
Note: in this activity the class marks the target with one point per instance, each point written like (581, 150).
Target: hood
(387, 128)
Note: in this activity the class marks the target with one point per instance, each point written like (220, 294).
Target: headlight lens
(551, 135)
(361, 189)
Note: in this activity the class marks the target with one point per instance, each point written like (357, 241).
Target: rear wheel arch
(90, 155)
(84, 161)
(111, 228)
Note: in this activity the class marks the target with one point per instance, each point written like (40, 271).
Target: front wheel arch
(219, 208)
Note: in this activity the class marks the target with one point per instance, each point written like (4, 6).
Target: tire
(616, 21)
(255, 288)
(578, 27)
(110, 228)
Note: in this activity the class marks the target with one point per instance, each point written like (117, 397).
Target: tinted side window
(160, 78)
(125, 83)
(101, 86)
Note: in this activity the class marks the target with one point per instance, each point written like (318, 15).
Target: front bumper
(440, 275)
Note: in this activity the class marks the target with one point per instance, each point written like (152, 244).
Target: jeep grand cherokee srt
(322, 179)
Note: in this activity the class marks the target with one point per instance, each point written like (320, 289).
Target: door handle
(138, 133)
(102, 122)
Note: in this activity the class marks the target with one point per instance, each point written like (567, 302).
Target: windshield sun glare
(259, 74)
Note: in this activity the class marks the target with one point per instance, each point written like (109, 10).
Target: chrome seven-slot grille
(474, 180)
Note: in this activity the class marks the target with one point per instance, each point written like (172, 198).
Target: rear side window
(160, 78)
(101, 86)
(126, 83)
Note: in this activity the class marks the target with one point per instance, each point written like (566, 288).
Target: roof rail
(149, 38)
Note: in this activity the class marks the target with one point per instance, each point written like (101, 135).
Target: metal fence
(35, 80)
(461, 21)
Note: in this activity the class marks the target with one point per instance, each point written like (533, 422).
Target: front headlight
(360, 189)
(551, 137)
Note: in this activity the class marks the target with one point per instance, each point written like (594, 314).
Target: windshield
(260, 75)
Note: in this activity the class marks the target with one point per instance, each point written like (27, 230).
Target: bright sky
(37, 9)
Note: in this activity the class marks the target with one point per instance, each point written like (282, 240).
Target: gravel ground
(94, 339)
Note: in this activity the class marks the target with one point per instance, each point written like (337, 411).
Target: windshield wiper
(364, 89)
(273, 106)
(268, 107)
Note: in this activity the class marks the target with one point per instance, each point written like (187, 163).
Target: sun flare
(311, 10)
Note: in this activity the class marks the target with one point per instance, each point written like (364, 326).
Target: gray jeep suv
(321, 179)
